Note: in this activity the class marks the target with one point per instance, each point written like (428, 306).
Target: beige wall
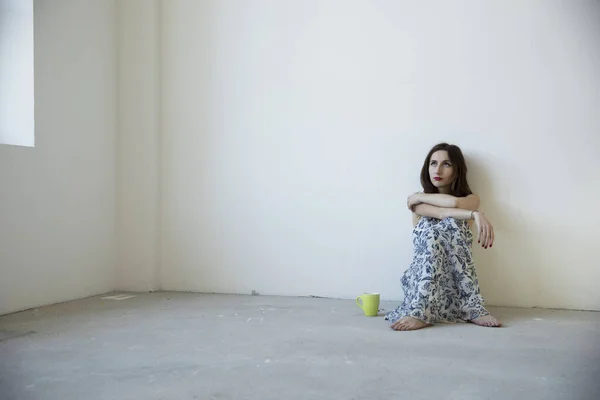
(293, 132)
(138, 145)
(270, 146)
(57, 208)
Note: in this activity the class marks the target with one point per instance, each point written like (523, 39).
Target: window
(16, 73)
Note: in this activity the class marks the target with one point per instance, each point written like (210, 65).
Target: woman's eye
(433, 163)
(447, 164)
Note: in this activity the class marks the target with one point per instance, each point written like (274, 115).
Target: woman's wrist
(473, 214)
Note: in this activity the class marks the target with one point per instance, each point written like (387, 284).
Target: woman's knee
(452, 225)
(434, 238)
(450, 221)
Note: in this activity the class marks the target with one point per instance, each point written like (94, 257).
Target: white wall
(270, 146)
(138, 146)
(57, 200)
(293, 132)
(16, 72)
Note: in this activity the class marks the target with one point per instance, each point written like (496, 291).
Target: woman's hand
(485, 230)
(413, 200)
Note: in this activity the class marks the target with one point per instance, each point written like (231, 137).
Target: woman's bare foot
(408, 324)
(487, 321)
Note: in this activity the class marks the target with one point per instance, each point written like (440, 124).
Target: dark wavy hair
(460, 186)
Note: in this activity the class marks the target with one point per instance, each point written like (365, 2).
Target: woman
(441, 283)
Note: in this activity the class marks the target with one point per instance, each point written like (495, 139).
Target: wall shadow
(508, 272)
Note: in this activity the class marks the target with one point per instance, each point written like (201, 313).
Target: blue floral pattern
(441, 284)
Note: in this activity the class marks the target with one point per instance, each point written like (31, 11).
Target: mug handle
(359, 304)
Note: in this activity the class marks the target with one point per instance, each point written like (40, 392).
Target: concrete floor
(193, 346)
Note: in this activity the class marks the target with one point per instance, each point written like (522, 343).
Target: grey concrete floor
(194, 346)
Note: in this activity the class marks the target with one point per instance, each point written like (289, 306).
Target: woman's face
(441, 170)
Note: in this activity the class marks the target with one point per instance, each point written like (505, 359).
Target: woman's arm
(427, 210)
(470, 202)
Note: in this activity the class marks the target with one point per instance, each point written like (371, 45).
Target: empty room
(299, 199)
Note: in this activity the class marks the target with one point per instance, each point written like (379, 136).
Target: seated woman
(441, 284)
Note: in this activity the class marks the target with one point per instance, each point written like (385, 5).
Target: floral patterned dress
(441, 283)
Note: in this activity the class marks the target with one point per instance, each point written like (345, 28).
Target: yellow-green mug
(370, 303)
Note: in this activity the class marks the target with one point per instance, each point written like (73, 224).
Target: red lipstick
(437, 178)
